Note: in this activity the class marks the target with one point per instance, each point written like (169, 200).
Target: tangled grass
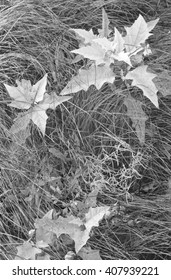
(92, 132)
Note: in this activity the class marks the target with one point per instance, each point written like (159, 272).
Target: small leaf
(20, 123)
(70, 255)
(93, 52)
(95, 75)
(39, 89)
(105, 31)
(138, 117)
(87, 36)
(163, 82)
(91, 199)
(143, 80)
(105, 44)
(94, 216)
(21, 136)
(49, 214)
(43, 234)
(86, 253)
(151, 24)
(122, 56)
(27, 251)
(62, 226)
(77, 59)
(38, 114)
(138, 33)
(118, 41)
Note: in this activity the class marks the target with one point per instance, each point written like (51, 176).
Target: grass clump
(94, 139)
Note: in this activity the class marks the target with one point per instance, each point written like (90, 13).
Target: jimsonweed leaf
(105, 44)
(118, 41)
(138, 33)
(105, 51)
(95, 75)
(143, 80)
(35, 100)
(94, 52)
(105, 31)
(85, 36)
(76, 228)
(25, 95)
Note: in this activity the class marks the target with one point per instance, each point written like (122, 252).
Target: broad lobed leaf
(46, 227)
(95, 75)
(25, 94)
(27, 251)
(138, 33)
(143, 80)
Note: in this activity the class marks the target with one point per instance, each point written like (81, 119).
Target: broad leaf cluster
(105, 50)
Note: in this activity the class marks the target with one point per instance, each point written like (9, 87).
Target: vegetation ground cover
(90, 154)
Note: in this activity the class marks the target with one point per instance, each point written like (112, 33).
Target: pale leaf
(77, 229)
(105, 44)
(138, 33)
(105, 31)
(95, 75)
(21, 94)
(86, 253)
(20, 123)
(43, 233)
(77, 58)
(65, 226)
(21, 136)
(62, 226)
(137, 115)
(27, 251)
(163, 82)
(39, 89)
(122, 56)
(70, 255)
(25, 94)
(93, 52)
(39, 117)
(87, 36)
(147, 50)
(118, 41)
(143, 80)
(151, 24)
(49, 214)
(37, 113)
(51, 101)
(94, 216)
(91, 199)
